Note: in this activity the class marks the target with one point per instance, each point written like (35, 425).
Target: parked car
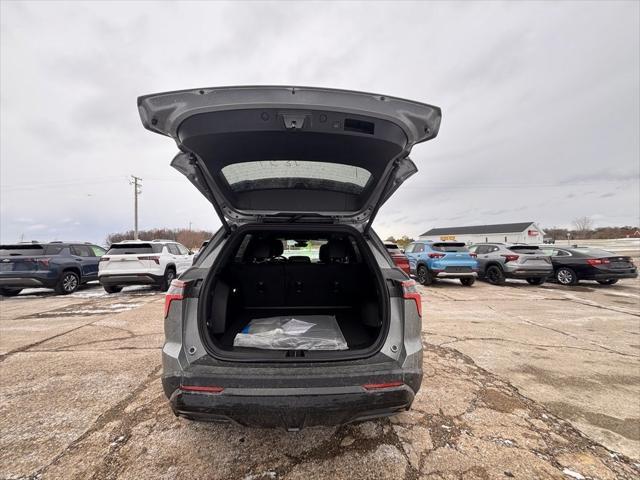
(570, 265)
(431, 260)
(63, 266)
(499, 261)
(156, 263)
(285, 166)
(399, 258)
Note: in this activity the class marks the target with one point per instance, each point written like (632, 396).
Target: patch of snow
(573, 474)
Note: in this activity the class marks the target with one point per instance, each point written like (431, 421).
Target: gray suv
(498, 261)
(294, 314)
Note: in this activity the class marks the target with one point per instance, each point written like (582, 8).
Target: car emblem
(6, 260)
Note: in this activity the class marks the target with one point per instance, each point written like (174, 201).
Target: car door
(86, 261)
(417, 249)
(175, 257)
(186, 260)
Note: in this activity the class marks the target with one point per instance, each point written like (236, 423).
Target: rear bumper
(130, 279)
(293, 408)
(454, 275)
(610, 276)
(529, 273)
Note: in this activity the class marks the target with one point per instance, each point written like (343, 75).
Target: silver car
(498, 261)
(294, 313)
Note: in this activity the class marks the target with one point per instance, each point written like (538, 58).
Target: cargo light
(510, 258)
(381, 386)
(175, 292)
(598, 261)
(201, 389)
(410, 292)
(155, 258)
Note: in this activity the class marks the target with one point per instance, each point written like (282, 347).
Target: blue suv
(63, 266)
(431, 260)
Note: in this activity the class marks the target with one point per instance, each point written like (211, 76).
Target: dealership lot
(506, 370)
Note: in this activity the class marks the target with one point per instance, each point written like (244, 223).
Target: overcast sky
(540, 101)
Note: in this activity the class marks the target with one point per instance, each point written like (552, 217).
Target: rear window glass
(296, 174)
(449, 247)
(593, 252)
(525, 249)
(133, 248)
(21, 250)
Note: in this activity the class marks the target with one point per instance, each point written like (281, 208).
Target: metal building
(524, 232)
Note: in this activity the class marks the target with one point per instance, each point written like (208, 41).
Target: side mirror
(402, 250)
(190, 252)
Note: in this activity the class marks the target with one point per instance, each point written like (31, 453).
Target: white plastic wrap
(300, 332)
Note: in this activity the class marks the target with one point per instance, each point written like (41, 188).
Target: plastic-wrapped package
(299, 332)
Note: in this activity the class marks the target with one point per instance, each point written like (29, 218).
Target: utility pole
(137, 190)
(190, 225)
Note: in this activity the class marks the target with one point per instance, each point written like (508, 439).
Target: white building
(525, 232)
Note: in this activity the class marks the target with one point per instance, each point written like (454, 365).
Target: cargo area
(295, 276)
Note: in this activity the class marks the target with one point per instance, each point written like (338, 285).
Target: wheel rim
(69, 283)
(422, 274)
(565, 276)
(170, 276)
(492, 274)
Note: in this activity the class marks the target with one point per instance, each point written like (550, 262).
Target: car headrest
(337, 249)
(323, 253)
(276, 247)
(260, 250)
(299, 259)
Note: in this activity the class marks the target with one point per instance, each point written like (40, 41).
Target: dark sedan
(570, 265)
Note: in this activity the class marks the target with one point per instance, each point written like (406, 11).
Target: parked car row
(65, 266)
(497, 262)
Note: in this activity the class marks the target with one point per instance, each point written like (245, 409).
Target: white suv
(134, 262)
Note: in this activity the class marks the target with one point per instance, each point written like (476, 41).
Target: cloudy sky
(541, 104)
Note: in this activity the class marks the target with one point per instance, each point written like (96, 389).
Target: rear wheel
(535, 281)
(424, 275)
(169, 275)
(68, 283)
(112, 288)
(566, 276)
(610, 281)
(468, 281)
(10, 292)
(494, 275)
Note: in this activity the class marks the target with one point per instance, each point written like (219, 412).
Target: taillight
(410, 292)
(175, 292)
(155, 258)
(104, 259)
(379, 386)
(473, 255)
(201, 388)
(510, 258)
(597, 261)
(436, 255)
(44, 262)
(401, 261)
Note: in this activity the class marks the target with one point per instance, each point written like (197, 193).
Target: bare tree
(583, 225)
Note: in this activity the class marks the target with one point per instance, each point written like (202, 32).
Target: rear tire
(467, 282)
(10, 292)
(424, 275)
(495, 275)
(566, 276)
(535, 281)
(112, 288)
(169, 276)
(611, 281)
(68, 283)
